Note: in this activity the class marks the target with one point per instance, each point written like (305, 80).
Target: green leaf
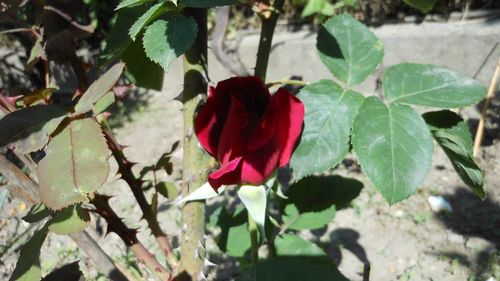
(293, 269)
(163, 42)
(313, 7)
(28, 264)
(349, 49)
(29, 128)
(69, 220)
(206, 3)
(151, 14)
(234, 238)
(37, 213)
(329, 113)
(293, 245)
(103, 103)
(430, 85)
(393, 146)
(313, 201)
(128, 3)
(75, 165)
(37, 52)
(453, 135)
(167, 189)
(140, 69)
(424, 6)
(99, 88)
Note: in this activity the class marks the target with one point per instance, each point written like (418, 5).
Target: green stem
(266, 39)
(254, 238)
(195, 161)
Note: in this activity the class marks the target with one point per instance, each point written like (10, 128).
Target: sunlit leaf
(349, 49)
(329, 113)
(103, 103)
(75, 165)
(393, 146)
(294, 245)
(162, 42)
(129, 3)
(430, 85)
(151, 14)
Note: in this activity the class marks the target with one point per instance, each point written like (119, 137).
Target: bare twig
(232, 63)
(489, 97)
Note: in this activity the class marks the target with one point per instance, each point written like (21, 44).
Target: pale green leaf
(255, 200)
(167, 189)
(168, 38)
(104, 102)
(430, 85)
(329, 113)
(453, 135)
(69, 220)
(349, 49)
(75, 165)
(99, 88)
(313, 7)
(393, 146)
(293, 245)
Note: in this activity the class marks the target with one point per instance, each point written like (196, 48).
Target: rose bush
(249, 131)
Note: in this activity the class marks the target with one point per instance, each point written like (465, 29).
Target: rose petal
(259, 165)
(231, 143)
(289, 113)
(209, 121)
(229, 173)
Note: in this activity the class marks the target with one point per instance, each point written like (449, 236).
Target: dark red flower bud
(249, 131)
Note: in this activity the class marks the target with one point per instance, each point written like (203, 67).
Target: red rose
(249, 131)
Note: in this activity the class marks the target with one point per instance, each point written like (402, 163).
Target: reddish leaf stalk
(135, 184)
(129, 237)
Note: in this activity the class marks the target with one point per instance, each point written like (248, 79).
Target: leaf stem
(287, 82)
(266, 38)
(254, 239)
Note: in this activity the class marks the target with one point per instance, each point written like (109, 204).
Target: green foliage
(234, 239)
(294, 268)
(28, 264)
(99, 88)
(393, 146)
(293, 245)
(325, 7)
(69, 220)
(453, 135)
(254, 198)
(150, 15)
(424, 6)
(313, 201)
(29, 128)
(349, 49)
(75, 165)
(330, 112)
(429, 85)
(140, 69)
(162, 42)
(104, 102)
(129, 3)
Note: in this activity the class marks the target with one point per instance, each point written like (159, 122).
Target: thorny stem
(135, 184)
(195, 161)
(129, 237)
(266, 39)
